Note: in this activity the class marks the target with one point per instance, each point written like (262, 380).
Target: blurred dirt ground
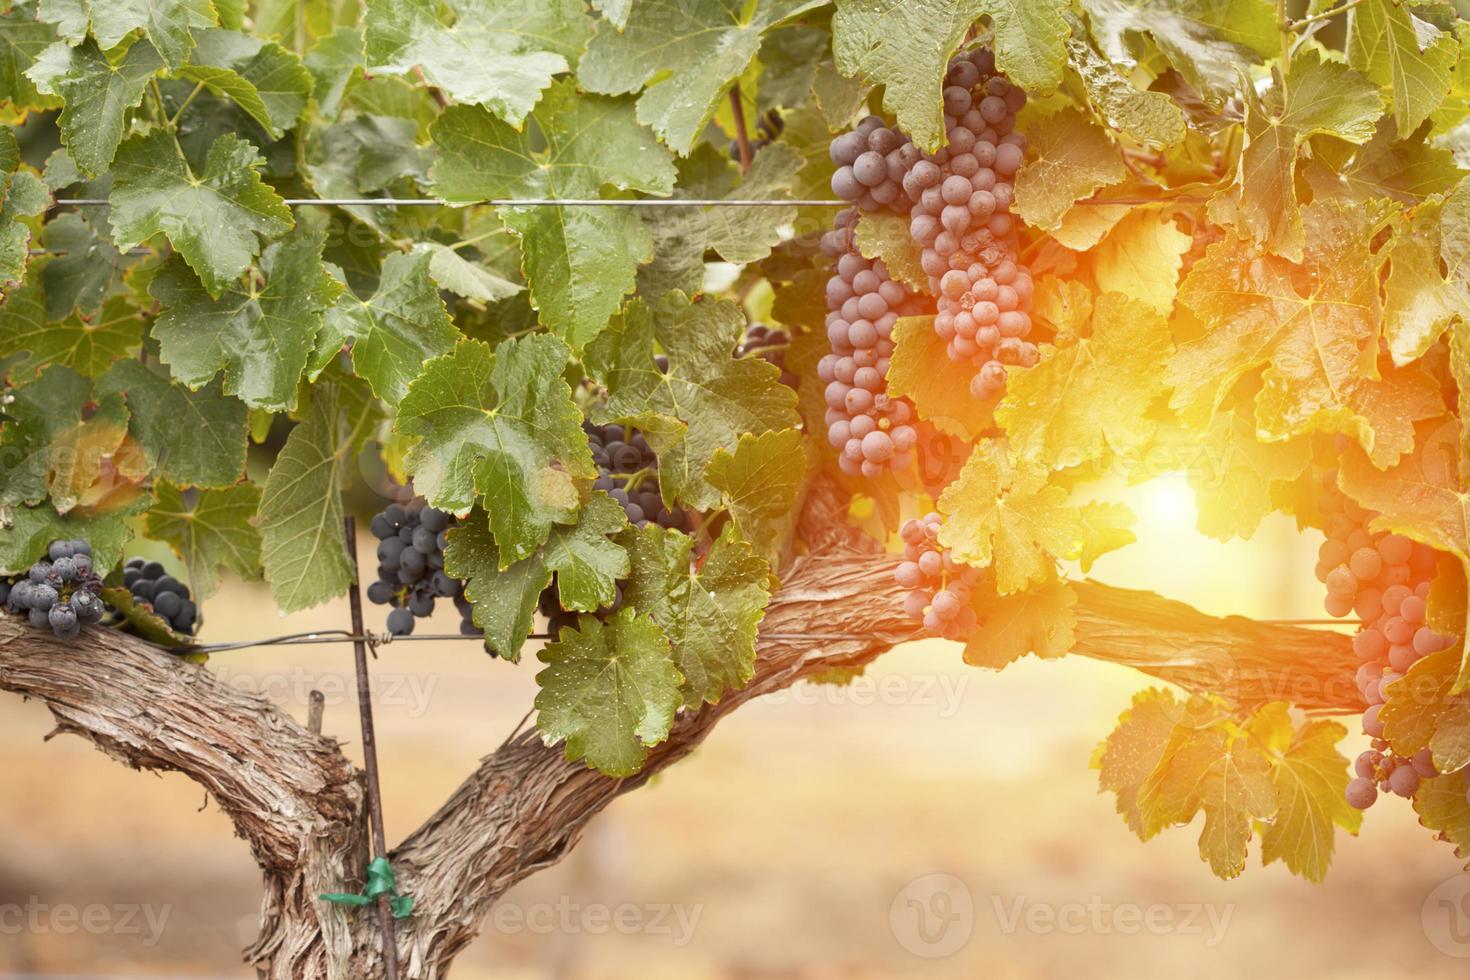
(784, 842)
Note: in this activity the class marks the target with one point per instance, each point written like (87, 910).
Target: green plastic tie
(380, 882)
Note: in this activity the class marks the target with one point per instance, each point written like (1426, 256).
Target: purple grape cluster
(411, 576)
(962, 197)
(627, 468)
(150, 583)
(873, 430)
(873, 162)
(61, 591)
(939, 587)
(770, 344)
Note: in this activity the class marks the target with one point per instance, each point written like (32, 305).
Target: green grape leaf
(168, 24)
(1408, 57)
(259, 333)
(335, 63)
(1039, 620)
(1205, 40)
(97, 96)
(498, 55)
(22, 39)
(25, 197)
(303, 549)
(212, 218)
(40, 412)
(586, 562)
(1093, 395)
(30, 530)
(580, 261)
(81, 271)
(1002, 512)
(193, 438)
(706, 401)
(1404, 170)
(463, 277)
(886, 237)
(682, 235)
(1313, 326)
(1071, 158)
(1145, 116)
(80, 453)
(711, 615)
(905, 46)
(208, 529)
(760, 483)
(609, 690)
(392, 334)
(500, 423)
(87, 345)
(269, 83)
(684, 56)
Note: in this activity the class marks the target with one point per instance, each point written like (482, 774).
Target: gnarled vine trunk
(300, 805)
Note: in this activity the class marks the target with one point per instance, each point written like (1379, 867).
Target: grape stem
(742, 138)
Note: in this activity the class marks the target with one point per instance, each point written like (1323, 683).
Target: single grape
(400, 622)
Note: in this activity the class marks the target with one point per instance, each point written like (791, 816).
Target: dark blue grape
(60, 549)
(381, 528)
(380, 592)
(400, 622)
(424, 541)
(167, 604)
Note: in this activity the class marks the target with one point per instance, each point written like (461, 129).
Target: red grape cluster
(961, 216)
(939, 586)
(872, 429)
(1385, 579)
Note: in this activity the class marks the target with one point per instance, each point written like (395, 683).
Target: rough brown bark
(299, 803)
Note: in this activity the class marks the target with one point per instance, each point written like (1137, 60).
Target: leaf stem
(1283, 27)
(742, 138)
(185, 104)
(1301, 22)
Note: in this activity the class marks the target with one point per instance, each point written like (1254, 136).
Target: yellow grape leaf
(1105, 527)
(79, 454)
(1309, 779)
(1083, 228)
(1071, 157)
(1319, 96)
(1429, 274)
(921, 371)
(1450, 746)
(1093, 395)
(1449, 597)
(1442, 807)
(1226, 776)
(1065, 305)
(1413, 703)
(1386, 409)
(1233, 477)
(1039, 620)
(1127, 756)
(1313, 326)
(1141, 258)
(1002, 512)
